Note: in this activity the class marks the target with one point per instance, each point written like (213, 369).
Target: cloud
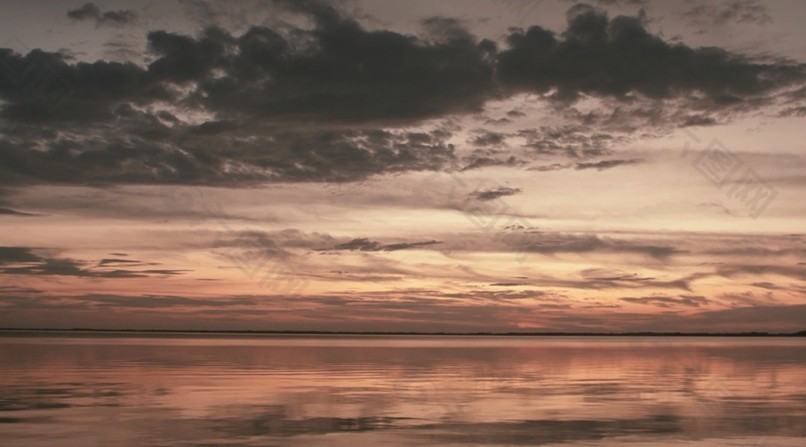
(597, 274)
(799, 111)
(86, 11)
(383, 76)
(745, 299)
(250, 244)
(698, 120)
(735, 11)
(26, 261)
(320, 156)
(113, 261)
(364, 244)
(494, 193)
(478, 162)
(627, 282)
(607, 164)
(620, 59)
(106, 129)
(553, 243)
(17, 254)
(569, 141)
(488, 138)
(13, 212)
(734, 270)
(615, 2)
(668, 301)
(335, 101)
(399, 309)
(759, 317)
(160, 301)
(551, 167)
(17, 300)
(89, 11)
(503, 295)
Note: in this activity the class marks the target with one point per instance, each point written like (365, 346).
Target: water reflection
(407, 391)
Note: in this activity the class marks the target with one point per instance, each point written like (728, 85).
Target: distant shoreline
(431, 334)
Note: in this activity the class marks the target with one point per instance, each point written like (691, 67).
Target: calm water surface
(401, 391)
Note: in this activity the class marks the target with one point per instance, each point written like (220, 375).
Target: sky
(497, 165)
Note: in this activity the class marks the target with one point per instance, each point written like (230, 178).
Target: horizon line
(801, 333)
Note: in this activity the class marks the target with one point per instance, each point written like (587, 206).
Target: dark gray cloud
(333, 156)
(607, 164)
(551, 167)
(86, 11)
(734, 11)
(89, 11)
(553, 243)
(502, 295)
(13, 212)
(799, 111)
(364, 244)
(597, 274)
(338, 73)
(31, 261)
(614, 2)
(626, 282)
(250, 244)
(668, 301)
(494, 193)
(123, 262)
(570, 141)
(317, 103)
(18, 299)
(484, 161)
(488, 138)
(698, 120)
(619, 58)
(17, 254)
(762, 316)
(734, 270)
(743, 299)
(161, 301)
(45, 88)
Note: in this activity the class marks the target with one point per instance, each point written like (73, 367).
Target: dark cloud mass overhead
(317, 104)
(619, 58)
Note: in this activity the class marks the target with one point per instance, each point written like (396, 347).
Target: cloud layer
(331, 102)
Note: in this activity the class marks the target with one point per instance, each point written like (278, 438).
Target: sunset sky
(464, 165)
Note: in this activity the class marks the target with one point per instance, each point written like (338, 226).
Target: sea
(204, 390)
